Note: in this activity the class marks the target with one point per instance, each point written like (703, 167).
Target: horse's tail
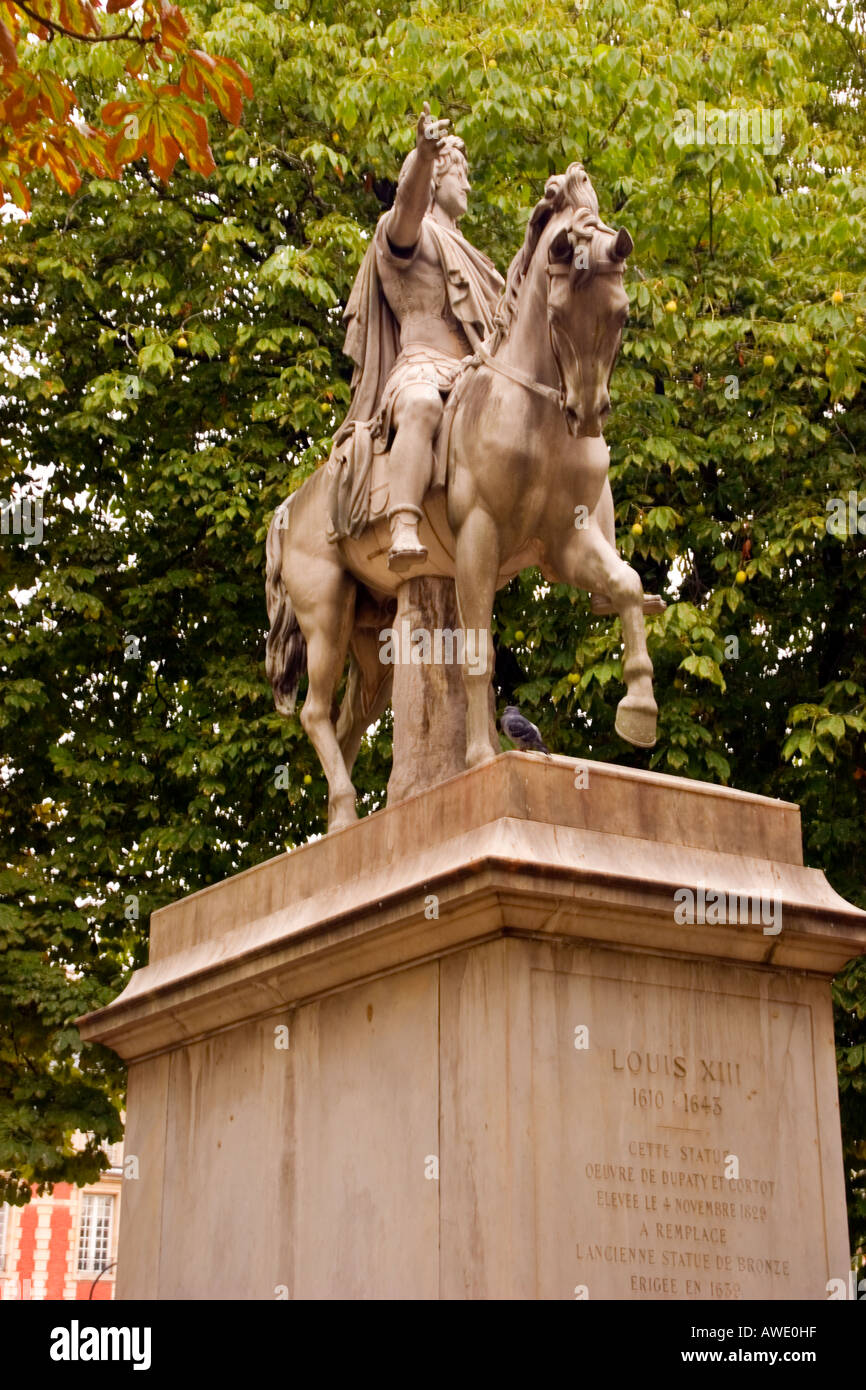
(286, 652)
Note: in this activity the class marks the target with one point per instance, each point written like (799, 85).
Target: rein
(514, 374)
(484, 358)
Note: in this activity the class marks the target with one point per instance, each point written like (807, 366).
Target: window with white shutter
(94, 1234)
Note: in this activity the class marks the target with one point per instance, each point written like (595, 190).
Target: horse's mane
(571, 189)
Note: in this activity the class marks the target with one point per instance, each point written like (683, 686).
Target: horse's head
(582, 262)
(587, 310)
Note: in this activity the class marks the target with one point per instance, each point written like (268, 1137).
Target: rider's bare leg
(416, 416)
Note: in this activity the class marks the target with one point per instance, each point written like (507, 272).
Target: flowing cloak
(473, 285)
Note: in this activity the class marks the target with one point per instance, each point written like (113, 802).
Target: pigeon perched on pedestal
(521, 732)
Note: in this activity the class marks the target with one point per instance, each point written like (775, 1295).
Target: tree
(175, 368)
(48, 124)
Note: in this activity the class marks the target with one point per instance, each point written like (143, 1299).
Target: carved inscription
(683, 1232)
(681, 1185)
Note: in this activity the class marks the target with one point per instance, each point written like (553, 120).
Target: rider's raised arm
(413, 193)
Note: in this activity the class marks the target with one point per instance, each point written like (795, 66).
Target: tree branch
(56, 28)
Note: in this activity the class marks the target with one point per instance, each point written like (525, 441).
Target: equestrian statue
(472, 449)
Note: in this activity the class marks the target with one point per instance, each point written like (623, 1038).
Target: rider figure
(426, 291)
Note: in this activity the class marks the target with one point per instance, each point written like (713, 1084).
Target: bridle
(483, 358)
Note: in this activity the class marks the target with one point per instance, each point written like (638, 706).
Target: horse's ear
(622, 247)
(560, 248)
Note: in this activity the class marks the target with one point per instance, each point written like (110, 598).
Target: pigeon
(522, 734)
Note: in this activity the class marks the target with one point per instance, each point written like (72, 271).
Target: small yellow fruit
(325, 408)
(230, 154)
(838, 296)
(181, 342)
(741, 576)
(519, 636)
(335, 137)
(671, 306)
(573, 677)
(637, 529)
(308, 781)
(233, 359)
(807, 482)
(791, 429)
(769, 360)
(492, 63)
(205, 246)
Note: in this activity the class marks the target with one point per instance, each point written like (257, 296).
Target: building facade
(64, 1246)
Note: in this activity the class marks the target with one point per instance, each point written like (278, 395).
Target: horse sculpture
(526, 484)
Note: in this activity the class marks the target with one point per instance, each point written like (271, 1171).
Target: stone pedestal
(429, 698)
(465, 1049)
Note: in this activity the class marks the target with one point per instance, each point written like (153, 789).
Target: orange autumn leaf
(113, 112)
(189, 129)
(48, 152)
(15, 187)
(90, 148)
(174, 28)
(8, 51)
(89, 17)
(40, 114)
(216, 75)
(162, 127)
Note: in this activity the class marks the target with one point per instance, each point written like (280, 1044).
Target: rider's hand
(430, 135)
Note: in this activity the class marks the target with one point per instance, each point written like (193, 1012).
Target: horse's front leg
(637, 712)
(590, 562)
(477, 570)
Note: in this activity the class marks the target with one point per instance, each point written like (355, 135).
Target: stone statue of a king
(423, 299)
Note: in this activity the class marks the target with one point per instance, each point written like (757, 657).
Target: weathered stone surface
(452, 1044)
(429, 697)
(509, 472)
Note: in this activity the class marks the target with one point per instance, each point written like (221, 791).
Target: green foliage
(173, 367)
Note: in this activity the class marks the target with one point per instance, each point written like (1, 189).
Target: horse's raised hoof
(341, 812)
(479, 753)
(636, 722)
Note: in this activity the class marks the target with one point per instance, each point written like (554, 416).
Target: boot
(406, 550)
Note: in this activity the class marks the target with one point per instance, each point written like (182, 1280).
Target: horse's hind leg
(368, 693)
(590, 562)
(326, 618)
